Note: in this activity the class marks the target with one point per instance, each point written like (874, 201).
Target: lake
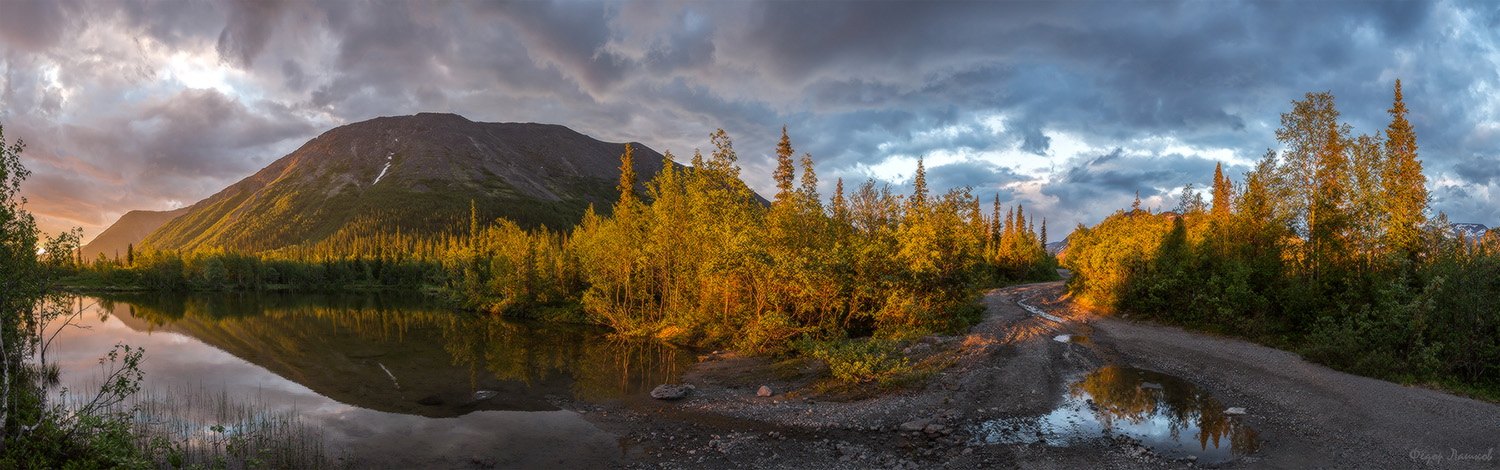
(394, 379)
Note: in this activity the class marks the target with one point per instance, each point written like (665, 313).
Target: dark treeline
(1324, 248)
(217, 269)
(696, 257)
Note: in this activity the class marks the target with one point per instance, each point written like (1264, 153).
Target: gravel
(1010, 366)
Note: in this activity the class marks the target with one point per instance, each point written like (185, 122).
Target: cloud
(248, 28)
(974, 174)
(1064, 105)
(1479, 169)
(35, 25)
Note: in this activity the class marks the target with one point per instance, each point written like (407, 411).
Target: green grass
(198, 428)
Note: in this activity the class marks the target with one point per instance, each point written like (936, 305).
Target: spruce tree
(1405, 192)
(785, 172)
(626, 187)
(918, 203)
(809, 188)
(995, 219)
(1020, 218)
(840, 206)
(1221, 194)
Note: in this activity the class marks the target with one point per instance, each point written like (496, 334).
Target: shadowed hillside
(132, 227)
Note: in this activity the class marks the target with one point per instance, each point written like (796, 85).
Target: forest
(695, 258)
(1324, 248)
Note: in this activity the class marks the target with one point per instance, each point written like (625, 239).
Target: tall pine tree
(785, 172)
(1404, 186)
(918, 203)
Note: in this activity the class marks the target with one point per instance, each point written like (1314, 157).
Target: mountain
(1469, 232)
(132, 227)
(1059, 247)
(412, 174)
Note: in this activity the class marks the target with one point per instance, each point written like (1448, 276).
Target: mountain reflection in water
(381, 366)
(1173, 417)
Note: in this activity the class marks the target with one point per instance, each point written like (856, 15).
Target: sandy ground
(1306, 415)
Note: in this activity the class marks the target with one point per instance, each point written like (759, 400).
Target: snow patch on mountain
(388, 158)
(1469, 232)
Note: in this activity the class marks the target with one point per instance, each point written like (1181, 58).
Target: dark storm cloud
(973, 174)
(571, 36)
(1111, 178)
(1479, 169)
(248, 29)
(1071, 106)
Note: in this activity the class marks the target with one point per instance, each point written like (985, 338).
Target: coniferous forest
(1324, 248)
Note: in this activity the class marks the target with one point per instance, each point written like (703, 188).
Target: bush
(858, 361)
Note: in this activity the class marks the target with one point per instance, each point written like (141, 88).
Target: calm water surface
(1173, 417)
(393, 379)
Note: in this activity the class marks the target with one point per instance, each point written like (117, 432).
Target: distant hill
(1470, 232)
(132, 227)
(413, 174)
(1059, 248)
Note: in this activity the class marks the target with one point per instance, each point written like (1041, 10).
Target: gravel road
(1010, 369)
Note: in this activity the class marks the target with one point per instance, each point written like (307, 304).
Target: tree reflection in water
(1135, 396)
(1168, 414)
(352, 347)
(601, 365)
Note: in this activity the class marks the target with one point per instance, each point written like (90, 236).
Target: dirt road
(1004, 403)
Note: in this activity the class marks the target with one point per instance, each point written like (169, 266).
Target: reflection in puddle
(1173, 417)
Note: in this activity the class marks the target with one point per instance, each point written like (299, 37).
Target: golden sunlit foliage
(696, 257)
(1324, 248)
(706, 261)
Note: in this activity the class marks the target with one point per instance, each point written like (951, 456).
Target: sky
(1070, 108)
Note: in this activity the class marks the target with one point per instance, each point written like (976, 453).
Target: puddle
(1081, 339)
(1036, 311)
(1171, 416)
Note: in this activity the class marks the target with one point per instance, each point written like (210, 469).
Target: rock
(934, 428)
(1234, 411)
(485, 395)
(915, 425)
(763, 392)
(670, 391)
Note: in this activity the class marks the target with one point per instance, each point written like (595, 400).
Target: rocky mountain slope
(1469, 232)
(415, 174)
